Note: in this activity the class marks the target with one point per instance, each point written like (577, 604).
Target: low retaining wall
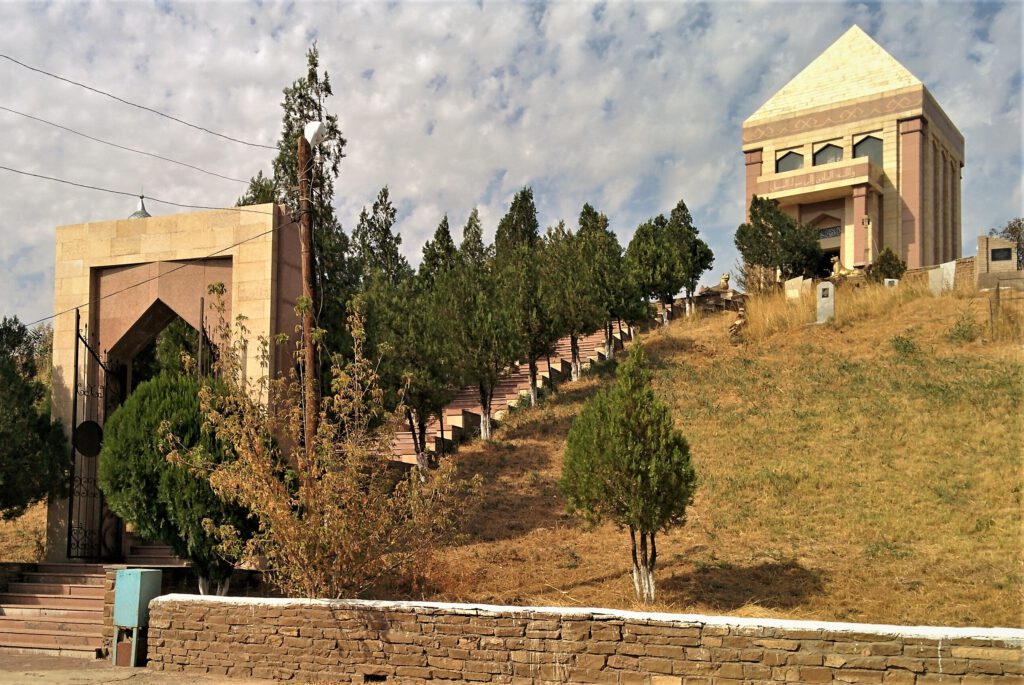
(365, 641)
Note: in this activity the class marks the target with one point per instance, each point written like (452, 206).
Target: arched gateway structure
(119, 283)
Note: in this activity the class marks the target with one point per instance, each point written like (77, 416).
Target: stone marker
(826, 298)
(793, 288)
(891, 282)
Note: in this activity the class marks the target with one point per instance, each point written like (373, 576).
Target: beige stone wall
(353, 641)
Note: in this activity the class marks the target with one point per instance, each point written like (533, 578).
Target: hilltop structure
(857, 147)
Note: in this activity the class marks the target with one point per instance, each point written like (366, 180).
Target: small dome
(141, 212)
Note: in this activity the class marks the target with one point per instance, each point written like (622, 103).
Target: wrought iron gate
(93, 532)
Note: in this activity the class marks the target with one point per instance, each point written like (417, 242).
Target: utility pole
(306, 241)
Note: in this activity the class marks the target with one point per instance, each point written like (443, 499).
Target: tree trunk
(533, 380)
(574, 344)
(421, 426)
(485, 414)
(224, 586)
(551, 375)
(412, 430)
(204, 585)
(636, 566)
(440, 421)
(609, 342)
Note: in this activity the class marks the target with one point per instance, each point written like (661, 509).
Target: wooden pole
(311, 367)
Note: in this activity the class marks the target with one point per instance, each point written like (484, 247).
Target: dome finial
(141, 212)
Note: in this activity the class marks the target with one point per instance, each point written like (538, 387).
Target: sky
(628, 106)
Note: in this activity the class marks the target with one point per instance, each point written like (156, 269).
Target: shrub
(165, 501)
(888, 265)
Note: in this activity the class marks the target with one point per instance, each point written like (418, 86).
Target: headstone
(948, 270)
(935, 280)
(793, 288)
(826, 299)
(891, 282)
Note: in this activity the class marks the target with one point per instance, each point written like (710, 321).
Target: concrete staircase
(57, 609)
(463, 413)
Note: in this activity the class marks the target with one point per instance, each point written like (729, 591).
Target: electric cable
(121, 147)
(133, 104)
(128, 194)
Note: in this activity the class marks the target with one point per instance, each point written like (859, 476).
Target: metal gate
(93, 531)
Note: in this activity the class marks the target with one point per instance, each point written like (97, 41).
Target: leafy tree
(334, 517)
(34, 457)
(517, 253)
(165, 501)
(164, 353)
(776, 241)
(484, 324)
(695, 257)
(887, 265)
(1013, 230)
(260, 191)
(624, 461)
(569, 282)
(376, 248)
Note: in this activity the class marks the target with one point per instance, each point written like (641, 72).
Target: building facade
(857, 147)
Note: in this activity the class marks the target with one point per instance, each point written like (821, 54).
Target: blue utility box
(133, 590)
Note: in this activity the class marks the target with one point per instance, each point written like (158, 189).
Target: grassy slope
(841, 479)
(24, 538)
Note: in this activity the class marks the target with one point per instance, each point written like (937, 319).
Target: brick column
(752, 160)
(860, 231)
(911, 182)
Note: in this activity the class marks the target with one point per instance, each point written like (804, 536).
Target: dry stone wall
(365, 641)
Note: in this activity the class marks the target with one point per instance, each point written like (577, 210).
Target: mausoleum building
(857, 147)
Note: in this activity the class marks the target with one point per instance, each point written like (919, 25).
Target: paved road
(31, 669)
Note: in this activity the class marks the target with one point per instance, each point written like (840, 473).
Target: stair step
(10, 599)
(65, 589)
(60, 624)
(55, 610)
(64, 579)
(71, 568)
(29, 647)
(52, 638)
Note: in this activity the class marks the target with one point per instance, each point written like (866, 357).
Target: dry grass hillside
(868, 470)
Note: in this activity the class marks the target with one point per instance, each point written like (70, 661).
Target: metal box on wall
(133, 590)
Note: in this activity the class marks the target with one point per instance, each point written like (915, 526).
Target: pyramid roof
(853, 67)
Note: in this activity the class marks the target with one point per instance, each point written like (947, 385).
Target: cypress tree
(624, 461)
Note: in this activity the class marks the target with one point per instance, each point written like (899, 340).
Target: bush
(165, 501)
(34, 458)
(888, 265)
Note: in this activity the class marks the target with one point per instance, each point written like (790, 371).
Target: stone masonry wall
(363, 641)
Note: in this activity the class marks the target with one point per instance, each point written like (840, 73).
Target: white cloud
(629, 106)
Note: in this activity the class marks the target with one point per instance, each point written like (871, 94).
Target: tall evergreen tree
(666, 255)
(484, 323)
(626, 462)
(568, 283)
(617, 294)
(439, 254)
(305, 101)
(776, 241)
(518, 250)
(376, 247)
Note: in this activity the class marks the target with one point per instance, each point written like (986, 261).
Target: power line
(153, 278)
(121, 147)
(133, 104)
(128, 194)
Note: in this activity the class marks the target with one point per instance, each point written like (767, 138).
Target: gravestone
(891, 282)
(826, 299)
(794, 287)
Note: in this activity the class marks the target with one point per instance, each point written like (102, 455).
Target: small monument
(826, 299)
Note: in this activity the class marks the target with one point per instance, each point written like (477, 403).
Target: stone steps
(54, 609)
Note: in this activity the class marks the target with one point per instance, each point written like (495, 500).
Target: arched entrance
(118, 285)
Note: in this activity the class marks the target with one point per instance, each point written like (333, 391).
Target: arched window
(828, 154)
(791, 161)
(869, 147)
